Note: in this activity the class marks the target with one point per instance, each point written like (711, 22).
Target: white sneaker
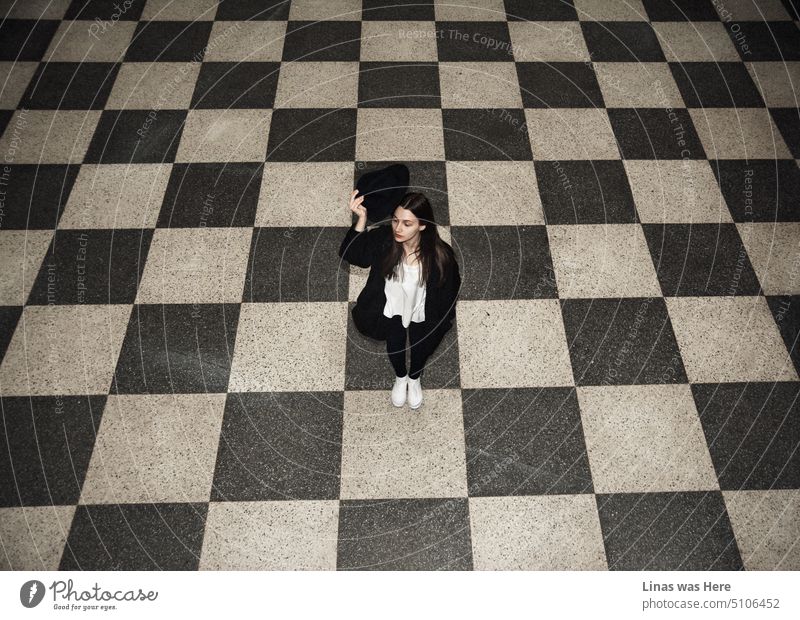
(414, 392)
(399, 391)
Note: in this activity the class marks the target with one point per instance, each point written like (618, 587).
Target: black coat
(367, 249)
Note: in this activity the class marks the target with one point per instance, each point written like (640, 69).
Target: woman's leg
(420, 348)
(396, 345)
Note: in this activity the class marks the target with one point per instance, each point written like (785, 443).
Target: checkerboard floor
(182, 386)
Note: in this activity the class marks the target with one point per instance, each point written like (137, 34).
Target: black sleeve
(452, 286)
(361, 248)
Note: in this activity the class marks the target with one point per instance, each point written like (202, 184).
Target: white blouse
(406, 297)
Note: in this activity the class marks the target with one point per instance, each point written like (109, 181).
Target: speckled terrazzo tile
(686, 530)
(399, 134)
(556, 532)
(571, 134)
(499, 85)
(50, 441)
(139, 84)
(15, 77)
(64, 350)
(670, 192)
(394, 453)
(695, 42)
(504, 262)
(38, 9)
(637, 85)
(404, 534)
(233, 135)
(116, 196)
(290, 347)
(179, 10)
(33, 538)
(606, 11)
(602, 260)
(330, 84)
(763, 10)
(287, 185)
(743, 133)
(279, 446)
(283, 536)
(398, 41)
(509, 186)
(524, 441)
(21, 254)
(777, 81)
(470, 10)
(760, 190)
(767, 528)
(320, 10)
(548, 42)
(49, 136)
(246, 41)
(196, 265)
(774, 252)
(135, 537)
(77, 41)
(515, 343)
(645, 438)
(155, 448)
(724, 339)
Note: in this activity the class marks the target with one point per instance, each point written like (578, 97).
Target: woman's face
(406, 225)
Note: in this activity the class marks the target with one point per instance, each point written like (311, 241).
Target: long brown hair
(432, 248)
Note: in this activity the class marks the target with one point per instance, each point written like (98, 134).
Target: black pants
(396, 347)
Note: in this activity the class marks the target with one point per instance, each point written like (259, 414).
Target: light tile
(695, 42)
(232, 135)
(752, 11)
(391, 453)
(48, 136)
(145, 85)
(611, 10)
(548, 42)
(36, 9)
(21, 254)
(14, 77)
(774, 251)
(470, 10)
(398, 41)
(399, 134)
(317, 85)
(638, 85)
(571, 134)
(33, 538)
(88, 41)
(250, 41)
(179, 10)
(740, 133)
(499, 87)
(526, 346)
(321, 10)
(778, 82)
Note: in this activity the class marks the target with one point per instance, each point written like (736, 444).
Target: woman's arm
(361, 248)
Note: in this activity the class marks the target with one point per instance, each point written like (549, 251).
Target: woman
(411, 290)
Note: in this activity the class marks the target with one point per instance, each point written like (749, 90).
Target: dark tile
(788, 123)
(716, 85)
(505, 262)
(621, 341)
(753, 433)
(792, 8)
(367, 364)
(279, 446)
(392, 10)
(25, 39)
(309, 134)
(585, 192)
(474, 41)
(35, 195)
(621, 42)
(9, 317)
(136, 137)
(558, 85)
(681, 10)
(655, 133)
(210, 194)
(47, 445)
(668, 531)
(700, 260)
(398, 85)
(169, 41)
(224, 85)
(177, 349)
(105, 10)
(763, 190)
(136, 537)
(525, 441)
(294, 265)
(251, 10)
(540, 10)
(498, 134)
(324, 40)
(758, 41)
(92, 267)
(786, 311)
(404, 534)
(5, 119)
(70, 86)
(428, 177)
